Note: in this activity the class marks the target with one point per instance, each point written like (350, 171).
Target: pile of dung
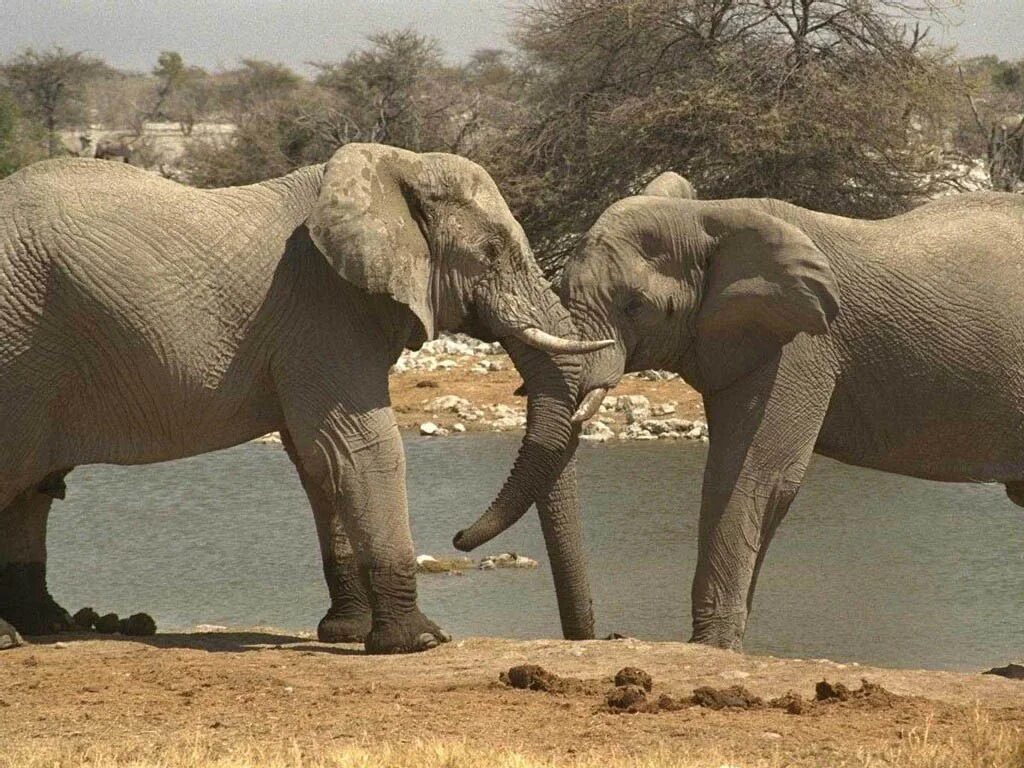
(136, 625)
(632, 693)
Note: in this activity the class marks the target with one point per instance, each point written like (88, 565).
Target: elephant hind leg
(349, 618)
(25, 600)
(1015, 492)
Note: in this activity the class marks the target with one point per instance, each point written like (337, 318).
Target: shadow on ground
(212, 642)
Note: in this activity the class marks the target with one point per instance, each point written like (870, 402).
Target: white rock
(636, 407)
(458, 427)
(421, 559)
(448, 403)
(272, 438)
(429, 428)
(596, 431)
(446, 365)
(665, 409)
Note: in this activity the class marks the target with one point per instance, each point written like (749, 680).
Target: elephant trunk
(562, 524)
(551, 383)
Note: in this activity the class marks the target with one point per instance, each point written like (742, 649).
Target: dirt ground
(412, 390)
(74, 692)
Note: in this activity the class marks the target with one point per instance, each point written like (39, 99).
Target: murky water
(867, 567)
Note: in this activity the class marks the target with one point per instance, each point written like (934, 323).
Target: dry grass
(436, 754)
(984, 744)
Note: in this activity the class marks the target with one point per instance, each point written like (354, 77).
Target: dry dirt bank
(233, 690)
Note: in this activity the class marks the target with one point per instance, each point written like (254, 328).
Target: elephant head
(433, 232)
(670, 184)
(711, 290)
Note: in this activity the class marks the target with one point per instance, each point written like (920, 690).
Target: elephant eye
(634, 305)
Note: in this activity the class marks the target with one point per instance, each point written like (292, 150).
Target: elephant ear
(369, 224)
(765, 283)
(670, 184)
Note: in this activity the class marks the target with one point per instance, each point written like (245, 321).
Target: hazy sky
(216, 33)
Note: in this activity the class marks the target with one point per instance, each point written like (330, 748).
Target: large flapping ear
(765, 282)
(368, 223)
(670, 184)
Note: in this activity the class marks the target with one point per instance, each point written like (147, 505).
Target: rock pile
(643, 421)
(431, 564)
(437, 355)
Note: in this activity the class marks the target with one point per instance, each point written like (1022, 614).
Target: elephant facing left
(143, 321)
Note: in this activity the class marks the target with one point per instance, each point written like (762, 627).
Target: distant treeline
(838, 105)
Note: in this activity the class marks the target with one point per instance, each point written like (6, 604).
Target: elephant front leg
(762, 435)
(349, 619)
(25, 601)
(358, 464)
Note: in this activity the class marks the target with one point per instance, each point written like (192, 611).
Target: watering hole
(867, 567)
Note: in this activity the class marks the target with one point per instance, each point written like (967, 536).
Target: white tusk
(556, 345)
(590, 405)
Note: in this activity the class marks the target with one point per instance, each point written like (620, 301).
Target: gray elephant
(142, 321)
(671, 184)
(877, 343)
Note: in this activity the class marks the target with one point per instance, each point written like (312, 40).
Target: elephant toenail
(427, 640)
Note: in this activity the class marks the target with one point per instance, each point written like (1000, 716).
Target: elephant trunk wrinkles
(551, 384)
(562, 525)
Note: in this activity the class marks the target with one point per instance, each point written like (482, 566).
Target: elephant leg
(762, 437)
(358, 463)
(25, 600)
(348, 620)
(1015, 492)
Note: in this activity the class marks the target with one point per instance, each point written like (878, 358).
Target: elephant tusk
(556, 345)
(591, 403)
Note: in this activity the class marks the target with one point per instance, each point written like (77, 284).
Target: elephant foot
(26, 604)
(410, 633)
(344, 627)
(9, 637)
(725, 633)
(1015, 492)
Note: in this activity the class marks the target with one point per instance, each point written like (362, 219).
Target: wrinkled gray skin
(880, 344)
(142, 321)
(671, 184)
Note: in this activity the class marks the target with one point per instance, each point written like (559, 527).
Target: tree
(182, 91)
(50, 86)
(256, 85)
(993, 127)
(388, 88)
(19, 140)
(832, 104)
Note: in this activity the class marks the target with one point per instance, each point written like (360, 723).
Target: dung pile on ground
(629, 695)
(632, 693)
(634, 676)
(733, 697)
(869, 695)
(532, 677)
(136, 625)
(792, 702)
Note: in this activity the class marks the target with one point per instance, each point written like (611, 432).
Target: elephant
(876, 343)
(142, 321)
(671, 184)
(116, 147)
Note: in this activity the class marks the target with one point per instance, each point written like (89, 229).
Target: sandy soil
(261, 686)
